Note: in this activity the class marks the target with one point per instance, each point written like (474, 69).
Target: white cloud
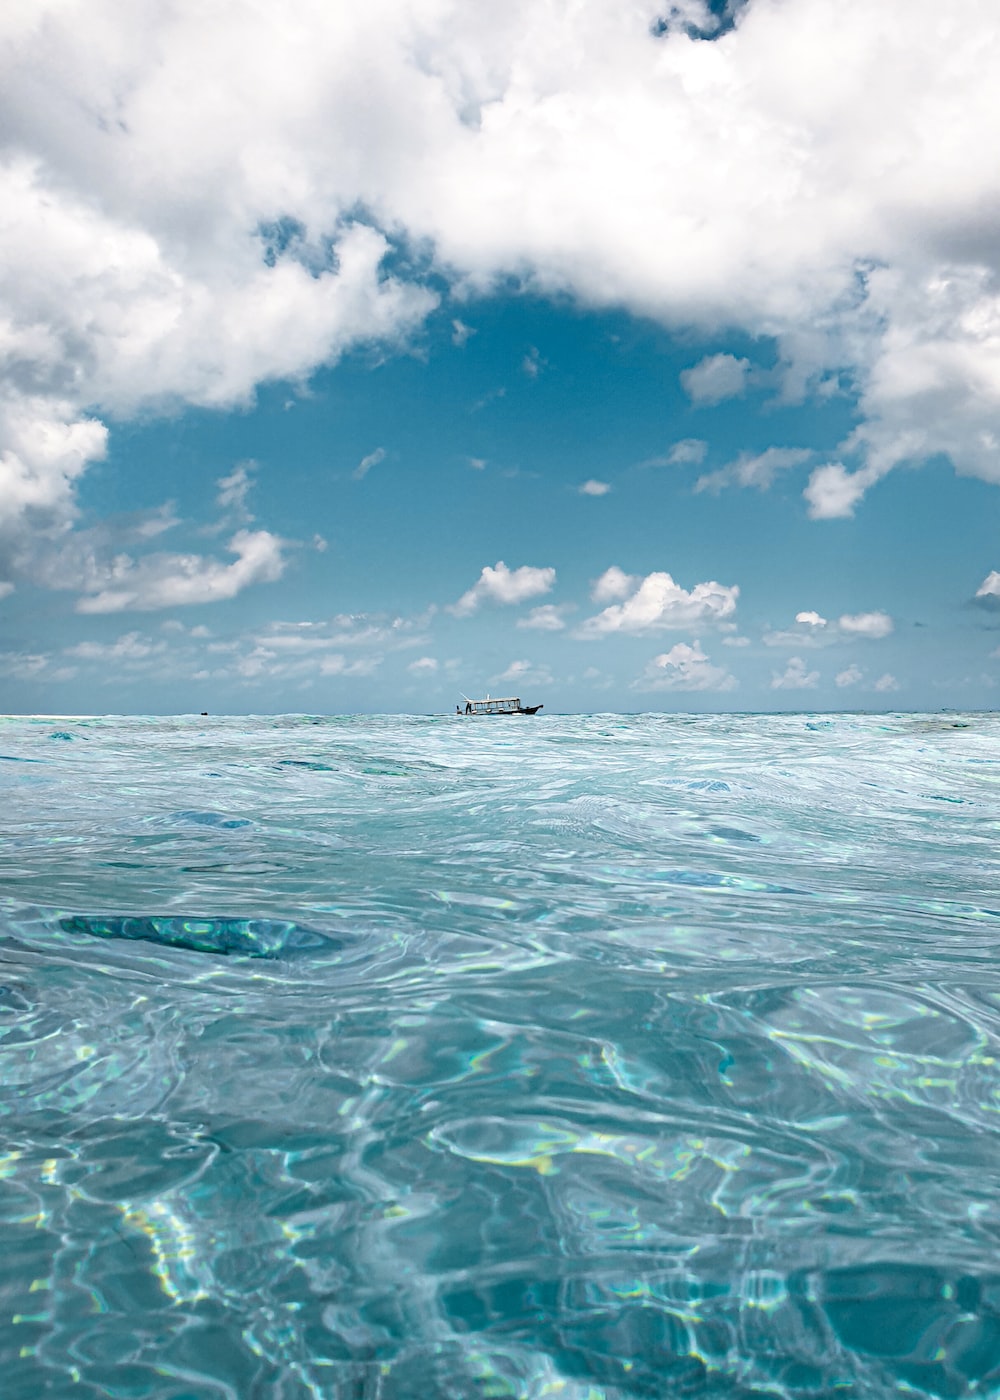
(129, 647)
(348, 647)
(177, 580)
(594, 488)
(715, 378)
(684, 667)
(491, 396)
(750, 469)
(809, 630)
(874, 625)
(179, 200)
(613, 585)
(685, 452)
(736, 641)
(344, 630)
(127, 298)
(367, 462)
(532, 364)
(886, 683)
(34, 666)
(44, 450)
(336, 665)
(258, 664)
(833, 491)
(812, 630)
(988, 592)
(795, 676)
(233, 492)
(852, 675)
(657, 603)
(526, 673)
(550, 617)
(498, 584)
(460, 332)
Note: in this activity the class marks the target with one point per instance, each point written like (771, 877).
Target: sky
(616, 355)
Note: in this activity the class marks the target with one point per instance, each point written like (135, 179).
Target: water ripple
(594, 1057)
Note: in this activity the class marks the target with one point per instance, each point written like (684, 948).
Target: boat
(509, 705)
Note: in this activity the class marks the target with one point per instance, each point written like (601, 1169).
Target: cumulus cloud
(754, 469)
(873, 625)
(685, 452)
(795, 676)
(175, 580)
(812, 630)
(45, 447)
(851, 675)
(680, 454)
(550, 617)
(498, 584)
(684, 667)
(613, 585)
(180, 198)
(833, 491)
(102, 304)
(886, 683)
(657, 603)
(423, 666)
(715, 378)
(594, 488)
(988, 592)
(526, 673)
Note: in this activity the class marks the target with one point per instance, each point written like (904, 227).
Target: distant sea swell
(593, 1057)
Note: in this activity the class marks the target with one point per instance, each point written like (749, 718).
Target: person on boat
(468, 707)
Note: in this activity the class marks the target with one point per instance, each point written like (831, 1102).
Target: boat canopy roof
(490, 705)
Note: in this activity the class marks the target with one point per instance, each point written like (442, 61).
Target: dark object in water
(489, 706)
(250, 938)
(212, 819)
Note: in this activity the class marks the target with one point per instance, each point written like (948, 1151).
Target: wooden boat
(490, 706)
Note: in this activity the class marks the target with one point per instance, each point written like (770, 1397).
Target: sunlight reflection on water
(592, 1057)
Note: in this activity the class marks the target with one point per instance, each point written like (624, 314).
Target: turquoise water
(579, 1057)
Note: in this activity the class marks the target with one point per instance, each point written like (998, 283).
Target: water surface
(586, 1057)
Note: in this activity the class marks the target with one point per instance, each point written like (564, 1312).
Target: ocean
(589, 1057)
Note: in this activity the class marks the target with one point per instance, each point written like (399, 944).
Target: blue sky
(659, 370)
